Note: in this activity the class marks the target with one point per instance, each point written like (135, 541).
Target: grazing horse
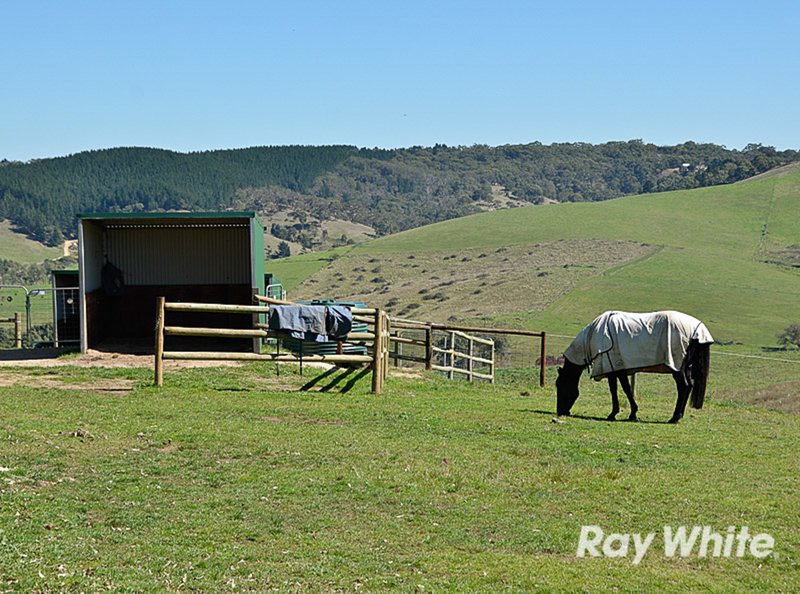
(618, 344)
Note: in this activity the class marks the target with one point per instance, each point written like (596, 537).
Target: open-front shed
(128, 260)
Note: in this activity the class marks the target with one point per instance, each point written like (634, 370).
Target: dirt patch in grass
(54, 382)
(784, 397)
(109, 358)
(301, 420)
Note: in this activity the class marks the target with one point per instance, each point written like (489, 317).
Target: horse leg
(684, 388)
(626, 387)
(612, 386)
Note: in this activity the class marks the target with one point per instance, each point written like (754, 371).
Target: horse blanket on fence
(617, 341)
(316, 323)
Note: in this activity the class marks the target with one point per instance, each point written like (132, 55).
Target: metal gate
(49, 316)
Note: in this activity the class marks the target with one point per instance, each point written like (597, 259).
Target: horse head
(567, 391)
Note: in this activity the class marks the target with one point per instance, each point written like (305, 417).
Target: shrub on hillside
(790, 336)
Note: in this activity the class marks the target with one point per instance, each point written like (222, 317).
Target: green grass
(292, 271)
(18, 248)
(708, 256)
(225, 480)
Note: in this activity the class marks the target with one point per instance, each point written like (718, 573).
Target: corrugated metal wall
(180, 254)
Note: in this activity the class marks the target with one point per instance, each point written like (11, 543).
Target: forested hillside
(387, 190)
(42, 197)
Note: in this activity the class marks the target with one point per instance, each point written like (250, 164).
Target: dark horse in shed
(618, 344)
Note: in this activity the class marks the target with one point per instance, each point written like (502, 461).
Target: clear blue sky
(198, 75)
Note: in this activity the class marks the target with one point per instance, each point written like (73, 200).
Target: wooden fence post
(159, 350)
(17, 331)
(256, 319)
(470, 362)
(398, 350)
(492, 364)
(377, 354)
(450, 373)
(428, 348)
(543, 364)
(386, 340)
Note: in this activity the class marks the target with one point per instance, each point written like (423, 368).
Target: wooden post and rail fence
(383, 332)
(17, 321)
(450, 354)
(376, 340)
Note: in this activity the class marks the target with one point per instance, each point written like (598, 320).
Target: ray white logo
(700, 541)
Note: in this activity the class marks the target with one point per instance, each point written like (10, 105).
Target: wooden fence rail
(454, 361)
(465, 331)
(378, 339)
(453, 357)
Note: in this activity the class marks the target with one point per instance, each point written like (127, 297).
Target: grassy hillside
(20, 249)
(726, 254)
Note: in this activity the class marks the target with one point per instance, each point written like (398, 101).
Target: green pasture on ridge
(711, 248)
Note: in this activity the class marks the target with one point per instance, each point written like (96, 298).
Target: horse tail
(700, 364)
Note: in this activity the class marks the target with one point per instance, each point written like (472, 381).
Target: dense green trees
(43, 197)
(387, 190)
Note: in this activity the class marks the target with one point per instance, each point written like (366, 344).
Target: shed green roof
(225, 214)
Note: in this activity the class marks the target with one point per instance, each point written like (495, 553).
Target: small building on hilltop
(128, 260)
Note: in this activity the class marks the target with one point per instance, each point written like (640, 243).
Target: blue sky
(200, 75)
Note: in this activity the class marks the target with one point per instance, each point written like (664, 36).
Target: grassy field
(711, 252)
(18, 248)
(230, 479)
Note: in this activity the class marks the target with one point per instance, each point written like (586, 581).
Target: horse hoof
(632, 419)
(674, 420)
(611, 417)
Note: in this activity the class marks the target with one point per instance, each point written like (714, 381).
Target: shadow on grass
(335, 379)
(550, 413)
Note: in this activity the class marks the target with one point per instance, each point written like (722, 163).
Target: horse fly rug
(618, 340)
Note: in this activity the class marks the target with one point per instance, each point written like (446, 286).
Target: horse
(618, 344)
